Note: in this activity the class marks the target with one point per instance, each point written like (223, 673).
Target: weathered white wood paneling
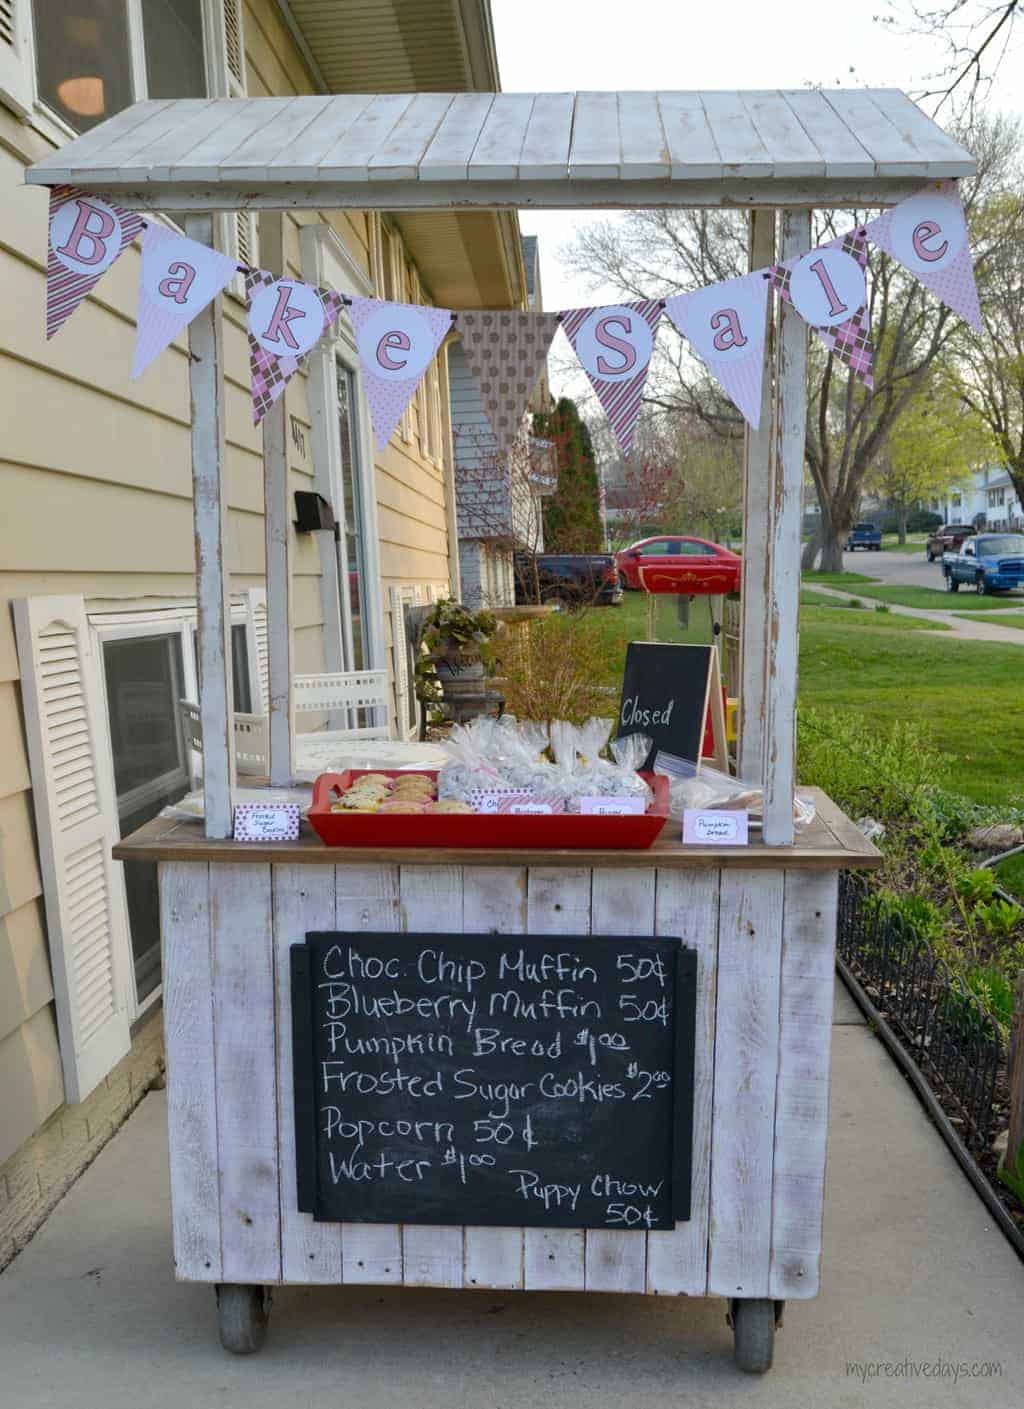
(622, 903)
(497, 151)
(687, 908)
(494, 903)
(431, 903)
(447, 156)
(746, 1062)
(192, 1092)
(366, 898)
(303, 900)
(246, 1076)
(557, 902)
(801, 1101)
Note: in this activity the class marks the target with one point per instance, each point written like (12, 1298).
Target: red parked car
(686, 566)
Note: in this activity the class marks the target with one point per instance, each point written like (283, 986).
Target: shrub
(886, 775)
(922, 915)
(551, 669)
(882, 607)
(999, 918)
(994, 991)
(977, 887)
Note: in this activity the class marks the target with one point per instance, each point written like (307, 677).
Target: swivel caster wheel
(753, 1328)
(242, 1315)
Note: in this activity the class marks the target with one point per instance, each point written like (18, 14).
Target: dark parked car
(864, 535)
(572, 579)
(948, 540)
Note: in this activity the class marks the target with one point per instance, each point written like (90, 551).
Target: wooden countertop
(831, 843)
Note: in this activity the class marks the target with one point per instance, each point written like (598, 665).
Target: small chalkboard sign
(667, 691)
(545, 1082)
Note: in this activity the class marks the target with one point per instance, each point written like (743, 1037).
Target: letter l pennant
(85, 236)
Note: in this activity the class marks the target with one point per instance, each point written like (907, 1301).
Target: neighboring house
(990, 498)
(96, 535)
(498, 499)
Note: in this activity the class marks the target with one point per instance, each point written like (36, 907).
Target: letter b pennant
(86, 236)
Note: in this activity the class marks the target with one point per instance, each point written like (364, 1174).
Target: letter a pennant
(725, 324)
(179, 278)
(927, 234)
(828, 288)
(86, 235)
(396, 343)
(286, 319)
(614, 347)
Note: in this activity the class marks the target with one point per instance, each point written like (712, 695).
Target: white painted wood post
(209, 501)
(760, 251)
(782, 607)
(278, 530)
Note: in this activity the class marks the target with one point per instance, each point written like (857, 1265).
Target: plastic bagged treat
(584, 773)
(709, 789)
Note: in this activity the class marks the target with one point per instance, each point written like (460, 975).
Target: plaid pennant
(849, 341)
(270, 371)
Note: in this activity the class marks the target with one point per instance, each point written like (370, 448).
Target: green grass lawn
(936, 600)
(885, 668)
(914, 544)
(996, 618)
(1011, 875)
(838, 579)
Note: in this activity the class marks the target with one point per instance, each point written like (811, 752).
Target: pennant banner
(86, 235)
(286, 320)
(179, 278)
(506, 351)
(725, 326)
(828, 288)
(927, 234)
(614, 346)
(396, 343)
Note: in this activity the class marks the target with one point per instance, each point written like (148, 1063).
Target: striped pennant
(86, 235)
(614, 346)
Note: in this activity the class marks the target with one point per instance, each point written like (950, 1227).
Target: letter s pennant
(179, 278)
(725, 325)
(86, 235)
(286, 320)
(614, 347)
(396, 344)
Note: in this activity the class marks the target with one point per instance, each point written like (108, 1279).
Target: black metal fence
(955, 1043)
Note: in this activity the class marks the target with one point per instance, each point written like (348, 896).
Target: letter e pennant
(927, 234)
(396, 343)
(286, 320)
(725, 324)
(179, 278)
(614, 347)
(86, 235)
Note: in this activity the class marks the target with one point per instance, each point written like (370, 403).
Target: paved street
(906, 569)
(914, 1274)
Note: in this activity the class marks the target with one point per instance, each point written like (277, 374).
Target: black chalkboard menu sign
(665, 693)
(505, 1081)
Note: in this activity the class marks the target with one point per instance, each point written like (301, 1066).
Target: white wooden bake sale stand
(761, 918)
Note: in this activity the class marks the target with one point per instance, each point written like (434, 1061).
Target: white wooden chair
(250, 738)
(362, 697)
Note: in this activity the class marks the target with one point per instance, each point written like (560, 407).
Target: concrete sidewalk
(90, 1317)
(961, 628)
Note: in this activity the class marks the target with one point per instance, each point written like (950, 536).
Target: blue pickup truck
(864, 535)
(988, 562)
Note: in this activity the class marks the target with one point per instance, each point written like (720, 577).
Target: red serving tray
(558, 832)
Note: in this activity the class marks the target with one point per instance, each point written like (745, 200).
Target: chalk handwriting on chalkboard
(445, 1079)
(665, 695)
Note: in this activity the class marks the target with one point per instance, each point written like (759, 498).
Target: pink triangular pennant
(85, 236)
(506, 350)
(827, 287)
(614, 346)
(284, 314)
(396, 343)
(179, 278)
(927, 234)
(725, 325)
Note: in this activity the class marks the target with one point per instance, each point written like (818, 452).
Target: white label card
(713, 828)
(612, 806)
(267, 821)
(529, 809)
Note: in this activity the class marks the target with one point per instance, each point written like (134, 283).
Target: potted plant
(452, 638)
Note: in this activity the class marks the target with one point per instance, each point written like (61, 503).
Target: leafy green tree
(572, 515)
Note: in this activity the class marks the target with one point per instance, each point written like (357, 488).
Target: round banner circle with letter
(396, 343)
(614, 344)
(827, 287)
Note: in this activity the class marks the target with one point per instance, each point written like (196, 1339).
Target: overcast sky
(556, 45)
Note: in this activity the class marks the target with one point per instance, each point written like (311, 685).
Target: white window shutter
(16, 55)
(399, 661)
(226, 40)
(257, 649)
(76, 820)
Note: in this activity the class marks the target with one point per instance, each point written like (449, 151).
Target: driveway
(918, 1286)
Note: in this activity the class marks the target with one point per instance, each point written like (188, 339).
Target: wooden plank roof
(554, 150)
